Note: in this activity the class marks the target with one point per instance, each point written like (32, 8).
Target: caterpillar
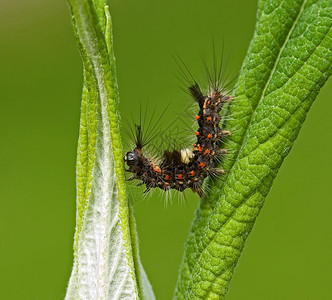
(183, 169)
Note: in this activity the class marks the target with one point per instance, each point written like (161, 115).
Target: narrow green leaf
(106, 259)
(288, 61)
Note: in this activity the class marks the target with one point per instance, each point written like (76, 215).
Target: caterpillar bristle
(131, 178)
(196, 92)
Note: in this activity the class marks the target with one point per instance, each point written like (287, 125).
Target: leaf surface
(106, 260)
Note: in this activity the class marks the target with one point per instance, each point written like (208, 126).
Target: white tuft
(186, 155)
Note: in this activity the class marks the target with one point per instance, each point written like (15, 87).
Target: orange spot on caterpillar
(209, 119)
(192, 173)
(198, 147)
(180, 176)
(166, 177)
(207, 151)
(204, 104)
(202, 164)
(198, 117)
(210, 136)
(157, 169)
(197, 132)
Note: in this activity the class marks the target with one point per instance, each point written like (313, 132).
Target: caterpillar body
(182, 169)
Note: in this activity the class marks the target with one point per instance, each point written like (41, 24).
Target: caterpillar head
(134, 160)
(131, 158)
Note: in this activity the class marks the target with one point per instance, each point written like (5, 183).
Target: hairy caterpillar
(182, 169)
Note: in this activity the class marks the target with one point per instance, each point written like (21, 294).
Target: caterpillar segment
(182, 169)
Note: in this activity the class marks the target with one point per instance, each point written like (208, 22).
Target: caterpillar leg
(220, 171)
(226, 99)
(226, 132)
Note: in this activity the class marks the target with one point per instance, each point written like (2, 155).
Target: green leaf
(288, 61)
(106, 259)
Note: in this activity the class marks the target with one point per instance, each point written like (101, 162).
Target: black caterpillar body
(184, 169)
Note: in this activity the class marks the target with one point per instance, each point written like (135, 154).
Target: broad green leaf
(106, 260)
(288, 61)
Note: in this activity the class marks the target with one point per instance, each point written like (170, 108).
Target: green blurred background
(288, 254)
